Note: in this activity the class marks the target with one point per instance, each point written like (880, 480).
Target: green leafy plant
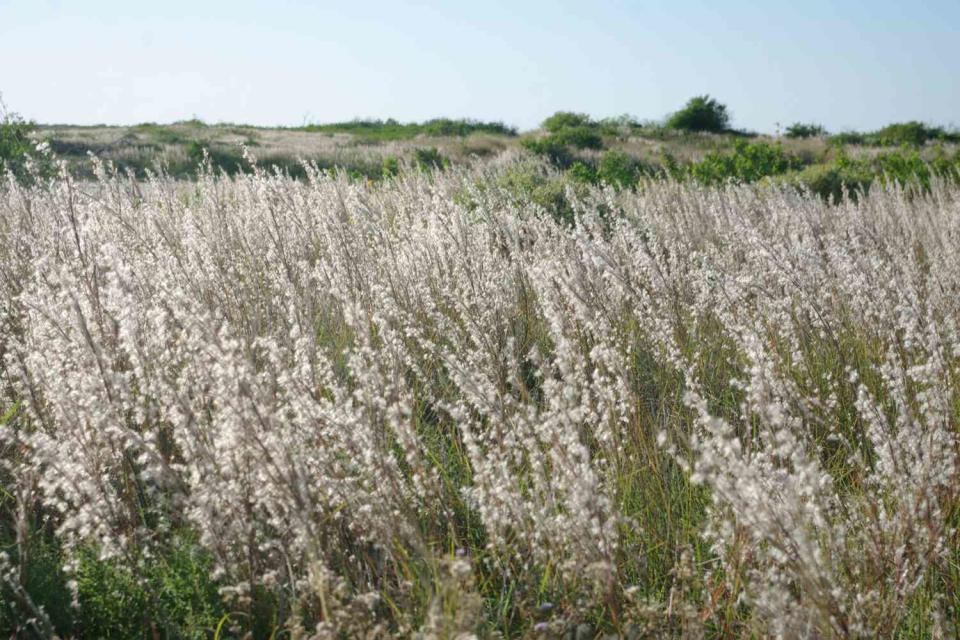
(580, 137)
(801, 130)
(911, 133)
(552, 149)
(582, 173)
(567, 120)
(533, 183)
(701, 113)
(390, 166)
(429, 158)
(16, 142)
(749, 162)
(848, 137)
(567, 131)
(618, 169)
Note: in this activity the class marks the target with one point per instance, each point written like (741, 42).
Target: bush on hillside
(911, 133)
(567, 120)
(429, 159)
(749, 162)
(701, 113)
(567, 131)
(579, 138)
(852, 175)
(897, 134)
(618, 169)
(550, 148)
(848, 137)
(801, 130)
(15, 142)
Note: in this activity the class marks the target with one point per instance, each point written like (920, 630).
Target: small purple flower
(540, 626)
(546, 606)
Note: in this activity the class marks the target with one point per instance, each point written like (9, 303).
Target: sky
(844, 64)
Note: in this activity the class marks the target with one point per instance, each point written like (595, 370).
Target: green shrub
(429, 159)
(829, 181)
(701, 113)
(173, 596)
(567, 120)
(620, 126)
(229, 161)
(945, 165)
(552, 149)
(582, 173)
(905, 168)
(800, 130)
(567, 131)
(528, 183)
(390, 166)
(580, 137)
(615, 168)
(911, 133)
(672, 167)
(848, 137)
(463, 128)
(15, 142)
(618, 169)
(749, 162)
(159, 134)
(45, 582)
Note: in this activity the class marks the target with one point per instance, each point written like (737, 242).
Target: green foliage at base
(173, 597)
(615, 168)
(533, 184)
(14, 143)
(17, 148)
(429, 159)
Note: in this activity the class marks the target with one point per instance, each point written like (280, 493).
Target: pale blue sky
(855, 64)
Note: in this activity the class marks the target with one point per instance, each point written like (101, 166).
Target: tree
(15, 142)
(567, 120)
(701, 113)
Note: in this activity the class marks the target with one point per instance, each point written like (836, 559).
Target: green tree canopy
(701, 113)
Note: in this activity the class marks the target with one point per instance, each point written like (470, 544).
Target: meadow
(439, 405)
(695, 145)
(608, 378)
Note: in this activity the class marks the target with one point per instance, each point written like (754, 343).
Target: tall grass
(382, 130)
(425, 408)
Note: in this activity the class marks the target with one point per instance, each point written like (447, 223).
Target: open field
(176, 145)
(473, 403)
(619, 151)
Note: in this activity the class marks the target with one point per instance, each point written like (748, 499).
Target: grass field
(618, 151)
(179, 146)
(479, 399)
